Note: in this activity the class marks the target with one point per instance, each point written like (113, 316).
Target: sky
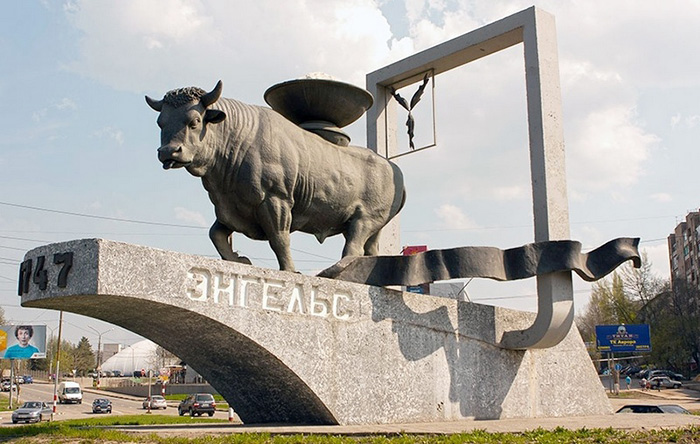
(78, 155)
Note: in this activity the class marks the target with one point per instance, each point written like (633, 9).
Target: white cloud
(687, 121)
(188, 216)
(251, 48)
(661, 197)
(66, 103)
(110, 133)
(452, 217)
(658, 256)
(608, 148)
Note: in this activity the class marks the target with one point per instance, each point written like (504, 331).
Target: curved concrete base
(287, 348)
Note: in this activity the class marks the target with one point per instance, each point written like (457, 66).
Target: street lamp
(99, 352)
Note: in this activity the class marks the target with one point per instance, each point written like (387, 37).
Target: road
(121, 405)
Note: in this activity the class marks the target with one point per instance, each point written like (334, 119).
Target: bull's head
(183, 122)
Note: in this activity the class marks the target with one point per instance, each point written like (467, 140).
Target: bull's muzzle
(170, 157)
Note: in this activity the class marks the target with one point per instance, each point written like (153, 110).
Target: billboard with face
(22, 341)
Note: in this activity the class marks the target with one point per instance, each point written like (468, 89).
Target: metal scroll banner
(487, 262)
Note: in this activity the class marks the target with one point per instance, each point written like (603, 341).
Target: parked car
(101, 405)
(156, 401)
(19, 379)
(31, 411)
(5, 385)
(117, 373)
(669, 373)
(663, 408)
(659, 382)
(28, 379)
(197, 404)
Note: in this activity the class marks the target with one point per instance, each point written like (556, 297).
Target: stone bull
(267, 177)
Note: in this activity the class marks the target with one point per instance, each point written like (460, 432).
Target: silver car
(31, 411)
(156, 401)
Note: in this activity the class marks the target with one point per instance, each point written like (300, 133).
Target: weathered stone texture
(284, 347)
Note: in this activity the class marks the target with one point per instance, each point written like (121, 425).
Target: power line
(92, 216)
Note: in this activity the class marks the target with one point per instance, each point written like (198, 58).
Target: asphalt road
(120, 405)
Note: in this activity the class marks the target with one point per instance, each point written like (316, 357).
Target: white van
(69, 391)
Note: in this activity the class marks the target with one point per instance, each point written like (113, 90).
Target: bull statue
(267, 177)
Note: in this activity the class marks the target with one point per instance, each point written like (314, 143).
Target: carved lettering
(237, 291)
(336, 304)
(318, 306)
(223, 288)
(198, 284)
(268, 298)
(296, 300)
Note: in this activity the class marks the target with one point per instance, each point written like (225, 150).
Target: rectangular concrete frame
(536, 30)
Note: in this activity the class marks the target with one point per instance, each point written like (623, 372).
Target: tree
(674, 317)
(83, 356)
(609, 304)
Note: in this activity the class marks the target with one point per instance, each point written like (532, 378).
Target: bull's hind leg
(372, 244)
(357, 236)
(219, 235)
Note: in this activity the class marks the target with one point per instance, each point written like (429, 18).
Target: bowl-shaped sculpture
(305, 100)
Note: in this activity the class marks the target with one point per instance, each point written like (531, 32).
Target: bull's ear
(214, 116)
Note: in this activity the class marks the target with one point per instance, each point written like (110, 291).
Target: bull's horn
(157, 105)
(211, 97)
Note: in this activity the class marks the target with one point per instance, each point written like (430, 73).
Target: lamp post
(98, 369)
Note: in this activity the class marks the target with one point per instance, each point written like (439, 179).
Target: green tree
(609, 304)
(83, 356)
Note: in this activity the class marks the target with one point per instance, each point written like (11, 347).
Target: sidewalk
(689, 399)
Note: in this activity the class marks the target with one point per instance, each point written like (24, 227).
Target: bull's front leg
(219, 235)
(275, 218)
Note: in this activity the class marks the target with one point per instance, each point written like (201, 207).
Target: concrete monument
(284, 347)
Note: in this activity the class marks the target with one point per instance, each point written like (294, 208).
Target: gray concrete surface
(287, 348)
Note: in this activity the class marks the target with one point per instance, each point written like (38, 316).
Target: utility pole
(58, 364)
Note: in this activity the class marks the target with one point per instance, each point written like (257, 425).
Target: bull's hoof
(240, 259)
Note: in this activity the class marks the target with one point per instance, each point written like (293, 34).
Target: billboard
(22, 341)
(623, 338)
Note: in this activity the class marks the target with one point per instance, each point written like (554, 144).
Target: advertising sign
(623, 338)
(22, 341)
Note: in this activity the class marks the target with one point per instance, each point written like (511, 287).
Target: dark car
(197, 404)
(101, 405)
(31, 411)
(662, 408)
(28, 379)
(669, 373)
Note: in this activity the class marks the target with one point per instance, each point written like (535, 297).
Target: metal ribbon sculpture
(410, 123)
(487, 262)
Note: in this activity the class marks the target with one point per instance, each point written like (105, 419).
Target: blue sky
(79, 138)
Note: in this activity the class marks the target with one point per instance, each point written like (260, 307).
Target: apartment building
(684, 251)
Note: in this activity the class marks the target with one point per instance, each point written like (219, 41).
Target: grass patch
(94, 430)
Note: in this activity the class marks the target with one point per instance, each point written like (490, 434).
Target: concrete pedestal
(287, 348)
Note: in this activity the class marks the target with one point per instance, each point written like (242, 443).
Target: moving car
(5, 385)
(662, 408)
(659, 382)
(69, 391)
(101, 405)
(197, 404)
(156, 401)
(31, 411)
(28, 379)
